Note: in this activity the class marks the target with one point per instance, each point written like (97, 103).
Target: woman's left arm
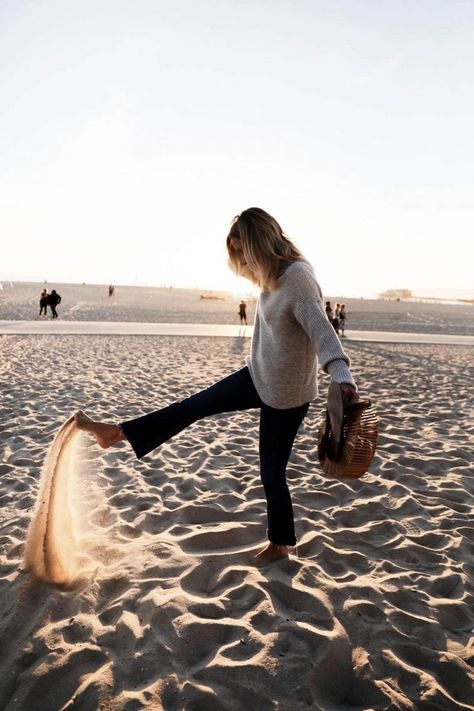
(309, 311)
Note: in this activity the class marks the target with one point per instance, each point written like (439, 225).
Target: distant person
(291, 336)
(329, 311)
(335, 321)
(44, 302)
(111, 290)
(243, 313)
(342, 318)
(53, 300)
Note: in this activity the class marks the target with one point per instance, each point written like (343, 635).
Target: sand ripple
(376, 611)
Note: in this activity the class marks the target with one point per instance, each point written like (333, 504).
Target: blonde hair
(264, 248)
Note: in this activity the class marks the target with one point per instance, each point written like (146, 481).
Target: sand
(57, 551)
(375, 611)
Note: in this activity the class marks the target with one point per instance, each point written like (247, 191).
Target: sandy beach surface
(375, 610)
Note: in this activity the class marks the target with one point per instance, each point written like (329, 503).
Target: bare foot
(105, 434)
(270, 554)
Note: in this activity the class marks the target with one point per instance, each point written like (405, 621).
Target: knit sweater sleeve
(309, 311)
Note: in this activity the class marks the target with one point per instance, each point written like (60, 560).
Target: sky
(132, 132)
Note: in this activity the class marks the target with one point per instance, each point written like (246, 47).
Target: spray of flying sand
(74, 533)
(52, 551)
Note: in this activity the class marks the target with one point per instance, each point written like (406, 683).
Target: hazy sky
(132, 132)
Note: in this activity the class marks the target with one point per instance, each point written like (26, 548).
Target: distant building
(396, 294)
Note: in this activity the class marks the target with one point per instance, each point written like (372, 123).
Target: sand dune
(375, 611)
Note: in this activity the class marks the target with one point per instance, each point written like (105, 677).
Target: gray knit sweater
(291, 334)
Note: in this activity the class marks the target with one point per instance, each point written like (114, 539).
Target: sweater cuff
(339, 372)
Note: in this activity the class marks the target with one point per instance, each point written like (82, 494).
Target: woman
(44, 302)
(53, 300)
(243, 313)
(291, 334)
(335, 321)
(342, 319)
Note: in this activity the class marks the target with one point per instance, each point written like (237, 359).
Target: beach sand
(375, 611)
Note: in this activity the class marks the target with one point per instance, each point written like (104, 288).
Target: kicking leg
(235, 392)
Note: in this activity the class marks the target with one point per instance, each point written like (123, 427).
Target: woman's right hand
(349, 393)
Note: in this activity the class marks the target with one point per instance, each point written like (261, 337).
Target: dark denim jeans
(278, 429)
